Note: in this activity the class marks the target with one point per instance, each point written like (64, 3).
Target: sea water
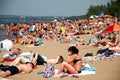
(3, 35)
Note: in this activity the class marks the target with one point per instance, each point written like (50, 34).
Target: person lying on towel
(21, 68)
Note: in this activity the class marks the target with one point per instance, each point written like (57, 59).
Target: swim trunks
(15, 33)
(12, 69)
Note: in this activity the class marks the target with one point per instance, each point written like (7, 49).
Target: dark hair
(60, 60)
(73, 50)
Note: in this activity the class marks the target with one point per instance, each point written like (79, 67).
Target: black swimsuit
(75, 61)
(12, 69)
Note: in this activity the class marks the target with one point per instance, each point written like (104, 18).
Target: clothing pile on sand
(101, 54)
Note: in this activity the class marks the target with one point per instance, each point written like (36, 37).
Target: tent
(5, 45)
(114, 27)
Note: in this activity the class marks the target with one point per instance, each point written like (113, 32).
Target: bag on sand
(49, 71)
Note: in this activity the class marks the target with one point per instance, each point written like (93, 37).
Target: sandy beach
(105, 69)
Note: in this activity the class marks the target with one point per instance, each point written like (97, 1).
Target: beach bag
(49, 71)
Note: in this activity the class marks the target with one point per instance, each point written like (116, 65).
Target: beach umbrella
(93, 16)
(5, 45)
(114, 27)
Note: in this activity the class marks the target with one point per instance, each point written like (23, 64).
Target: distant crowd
(63, 31)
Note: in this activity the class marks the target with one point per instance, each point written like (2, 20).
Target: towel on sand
(85, 71)
(7, 60)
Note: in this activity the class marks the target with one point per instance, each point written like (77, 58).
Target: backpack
(49, 71)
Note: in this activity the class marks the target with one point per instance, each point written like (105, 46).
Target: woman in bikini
(73, 64)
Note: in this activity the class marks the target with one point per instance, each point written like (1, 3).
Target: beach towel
(7, 60)
(85, 71)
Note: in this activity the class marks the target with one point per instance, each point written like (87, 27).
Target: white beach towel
(86, 71)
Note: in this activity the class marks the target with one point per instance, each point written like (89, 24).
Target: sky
(47, 7)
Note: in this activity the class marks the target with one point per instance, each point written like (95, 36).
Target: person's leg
(5, 74)
(19, 60)
(15, 62)
(34, 58)
(117, 48)
(23, 60)
(68, 67)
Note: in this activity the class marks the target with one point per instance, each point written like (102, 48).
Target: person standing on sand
(14, 30)
(7, 30)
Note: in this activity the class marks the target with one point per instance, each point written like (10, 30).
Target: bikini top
(75, 61)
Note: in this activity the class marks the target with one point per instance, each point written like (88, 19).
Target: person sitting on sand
(21, 68)
(73, 64)
(114, 42)
(108, 44)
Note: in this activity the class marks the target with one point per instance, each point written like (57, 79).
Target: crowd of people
(65, 32)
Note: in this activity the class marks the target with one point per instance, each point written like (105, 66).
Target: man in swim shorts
(11, 70)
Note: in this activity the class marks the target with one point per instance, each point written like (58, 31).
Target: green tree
(112, 8)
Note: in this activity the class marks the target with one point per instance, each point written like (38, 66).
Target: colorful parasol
(114, 27)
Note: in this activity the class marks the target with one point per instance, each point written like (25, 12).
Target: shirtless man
(14, 30)
(22, 68)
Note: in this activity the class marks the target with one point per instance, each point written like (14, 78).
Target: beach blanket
(85, 71)
(7, 60)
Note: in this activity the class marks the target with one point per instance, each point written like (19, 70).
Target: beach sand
(108, 69)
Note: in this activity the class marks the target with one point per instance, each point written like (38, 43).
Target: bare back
(25, 68)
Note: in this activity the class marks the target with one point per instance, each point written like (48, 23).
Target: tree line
(112, 8)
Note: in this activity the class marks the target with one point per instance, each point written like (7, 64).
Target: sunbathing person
(73, 64)
(25, 58)
(108, 44)
(37, 59)
(21, 68)
(114, 42)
